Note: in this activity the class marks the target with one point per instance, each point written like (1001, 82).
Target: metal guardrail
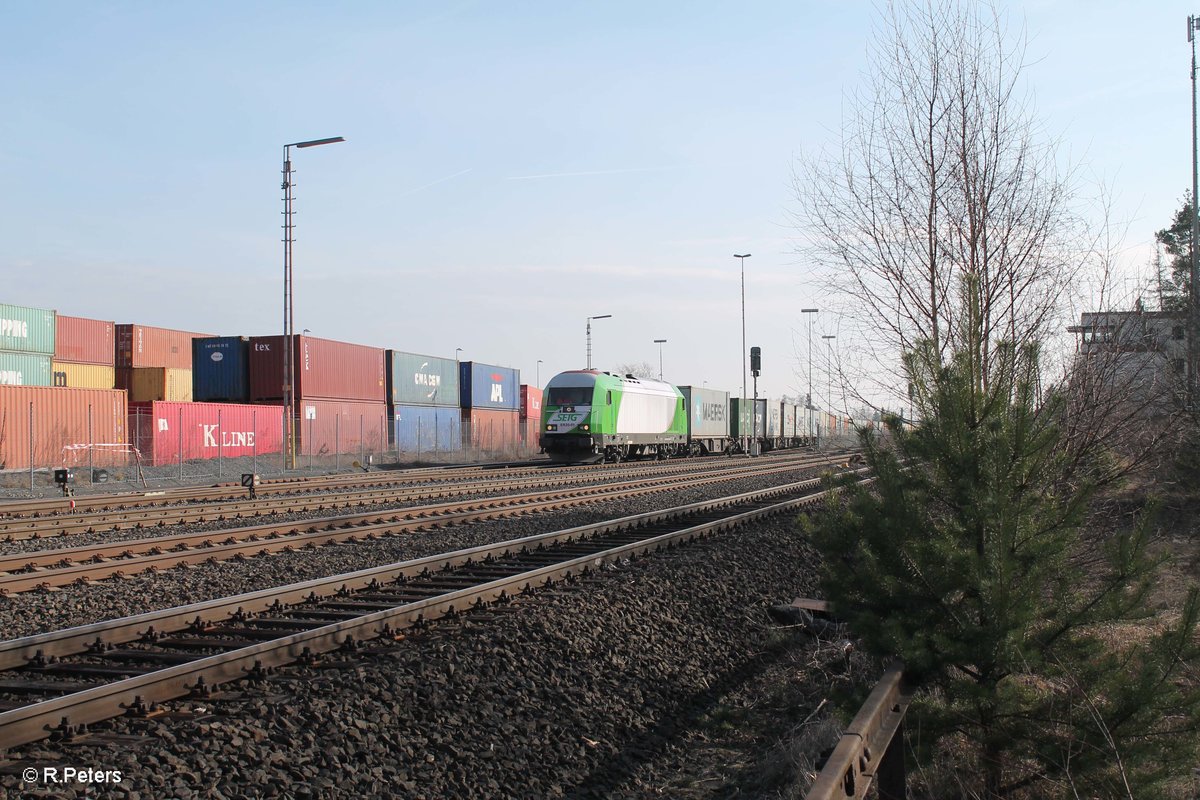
(872, 748)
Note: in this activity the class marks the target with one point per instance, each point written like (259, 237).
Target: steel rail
(39, 720)
(16, 510)
(60, 567)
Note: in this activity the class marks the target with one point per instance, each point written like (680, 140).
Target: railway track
(50, 508)
(20, 572)
(55, 684)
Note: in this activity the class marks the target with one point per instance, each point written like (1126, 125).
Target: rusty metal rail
(64, 715)
(872, 749)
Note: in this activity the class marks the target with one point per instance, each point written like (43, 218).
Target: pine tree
(1176, 239)
(965, 558)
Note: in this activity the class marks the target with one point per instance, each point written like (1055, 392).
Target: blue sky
(509, 169)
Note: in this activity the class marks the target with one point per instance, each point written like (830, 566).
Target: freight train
(589, 415)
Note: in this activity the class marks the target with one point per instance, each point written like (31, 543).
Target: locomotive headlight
(587, 427)
(551, 427)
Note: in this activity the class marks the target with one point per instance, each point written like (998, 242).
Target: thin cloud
(590, 172)
(435, 183)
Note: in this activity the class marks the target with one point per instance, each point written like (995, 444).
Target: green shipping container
(27, 330)
(416, 380)
(25, 369)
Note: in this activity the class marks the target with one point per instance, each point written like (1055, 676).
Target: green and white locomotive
(588, 415)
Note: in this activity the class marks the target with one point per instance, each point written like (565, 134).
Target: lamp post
(660, 343)
(808, 401)
(289, 394)
(457, 350)
(829, 374)
(742, 404)
(538, 374)
(589, 336)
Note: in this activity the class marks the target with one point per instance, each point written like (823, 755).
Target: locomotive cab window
(608, 398)
(569, 396)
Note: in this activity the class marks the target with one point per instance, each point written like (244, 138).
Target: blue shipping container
(489, 386)
(221, 369)
(427, 429)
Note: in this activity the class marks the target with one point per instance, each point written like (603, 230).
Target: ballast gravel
(29, 613)
(567, 694)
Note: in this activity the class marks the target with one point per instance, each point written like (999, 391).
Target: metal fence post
(337, 442)
(91, 444)
(180, 439)
(310, 443)
(254, 441)
(31, 449)
(220, 445)
(283, 440)
(362, 443)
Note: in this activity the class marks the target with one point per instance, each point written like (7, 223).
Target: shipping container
(742, 424)
(325, 427)
(488, 386)
(417, 380)
(78, 340)
(25, 369)
(82, 376)
(221, 369)
(163, 430)
(708, 412)
(427, 429)
(324, 369)
(146, 346)
(774, 421)
(490, 430)
(531, 402)
(147, 384)
(69, 426)
(27, 330)
(789, 421)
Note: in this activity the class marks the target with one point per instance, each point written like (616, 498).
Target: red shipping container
(203, 430)
(62, 418)
(324, 369)
(491, 429)
(531, 402)
(84, 341)
(325, 427)
(144, 346)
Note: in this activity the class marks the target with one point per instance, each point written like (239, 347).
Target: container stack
(26, 345)
(221, 369)
(154, 363)
(166, 432)
(423, 403)
(490, 398)
(531, 415)
(341, 391)
(84, 352)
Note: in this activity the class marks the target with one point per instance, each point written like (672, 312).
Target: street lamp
(457, 350)
(808, 401)
(660, 343)
(538, 373)
(829, 375)
(742, 405)
(589, 336)
(289, 395)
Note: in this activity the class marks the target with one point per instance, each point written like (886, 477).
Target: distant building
(1139, 355)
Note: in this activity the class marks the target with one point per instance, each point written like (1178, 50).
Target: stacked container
(26, 345)
(84, 350)
(166, 432)
(531, 415)
(423, 403)
(49, 427)
(341, 392)
(490, 397)
(708, 417)
(221, 369)
(154, 363)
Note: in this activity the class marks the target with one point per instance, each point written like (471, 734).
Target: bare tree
(944, 217)
(639, 369)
